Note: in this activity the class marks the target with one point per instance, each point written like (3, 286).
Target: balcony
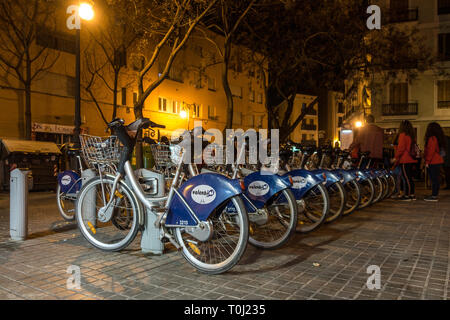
(443, 104)
(311, 127)
(403, 15)
(400, 109)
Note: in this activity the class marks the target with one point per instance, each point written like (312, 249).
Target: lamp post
(86, 12)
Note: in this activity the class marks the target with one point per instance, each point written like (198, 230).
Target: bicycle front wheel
(117, 227)
(367, 193)
(338, 198)
(277, 224)
(313, 209)
(218, 254)
(378, 189)
(353, 196)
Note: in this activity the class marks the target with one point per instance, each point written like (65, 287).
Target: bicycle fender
(346, 175)
(303, 181)
(361, 176)
(67, 180)
(202, 194)
(331, 178)
(259, 188)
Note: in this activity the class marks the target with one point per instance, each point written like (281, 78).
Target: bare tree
(173, 23)
(225, 21)
(106, 56)
(20, 57)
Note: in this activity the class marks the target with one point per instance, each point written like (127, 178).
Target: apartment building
(307, 131)
(419, 100)
(192, 92)
(331, 116)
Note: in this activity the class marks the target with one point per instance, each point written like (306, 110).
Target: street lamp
(358, 124)
(83, 11)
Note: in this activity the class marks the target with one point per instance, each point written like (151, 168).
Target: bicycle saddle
(73, 151)
(365, 153)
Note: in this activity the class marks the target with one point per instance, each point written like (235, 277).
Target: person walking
(435, 147)
(370, 139)
(403, 158)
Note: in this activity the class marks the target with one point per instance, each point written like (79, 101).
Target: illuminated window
(162, 104)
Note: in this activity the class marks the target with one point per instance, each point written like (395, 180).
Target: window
(340, 121)
(56, 40)
(237, 118)
(444, 46)
(124, 96)
(236, 91)
(340, 107)
(212, 84)
(251, 96)
(304, 137)
(196, 113)
(398, 93)
(443, 94)
(443, 6)
(212, 113)
(138, 63)
(176, 106)
(135, 97)
(120, 58)
(260, 98)
(162, 105)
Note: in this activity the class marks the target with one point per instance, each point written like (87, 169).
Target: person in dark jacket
(435, 146)
(447, 165)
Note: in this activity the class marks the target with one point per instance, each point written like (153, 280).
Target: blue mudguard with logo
(344, 174)
(331, 178)
(360, 175)
(69, 181)
(259, 188)
(303, 181)
(203, 194)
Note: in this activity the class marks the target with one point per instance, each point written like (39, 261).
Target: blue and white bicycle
(194, 215)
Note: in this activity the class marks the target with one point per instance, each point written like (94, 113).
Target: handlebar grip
(155, 125)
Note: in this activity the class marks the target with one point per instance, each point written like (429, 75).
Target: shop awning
(8, 146)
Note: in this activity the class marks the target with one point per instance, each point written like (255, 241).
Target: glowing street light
(183, 114)
(358, 124)
(86, 11)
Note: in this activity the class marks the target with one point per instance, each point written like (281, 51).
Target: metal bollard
(151, 236)
(18, 208)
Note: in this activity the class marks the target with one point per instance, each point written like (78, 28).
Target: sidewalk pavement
(409, 241)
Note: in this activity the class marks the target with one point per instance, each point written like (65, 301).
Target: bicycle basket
(100, 150)
(166, 155)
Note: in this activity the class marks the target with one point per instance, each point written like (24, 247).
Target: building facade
(307, 132)
(192, 92)
(422, 99)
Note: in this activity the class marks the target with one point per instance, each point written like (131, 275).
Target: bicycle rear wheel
(227, 244)
(278, 224)
(66, 204)
(119, 228)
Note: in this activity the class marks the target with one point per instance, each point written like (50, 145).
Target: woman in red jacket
(435, 145)
(404, 159)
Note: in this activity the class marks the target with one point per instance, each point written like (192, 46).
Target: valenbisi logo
(299, 182)
(203, 194)
(66, 180)
(258, 188)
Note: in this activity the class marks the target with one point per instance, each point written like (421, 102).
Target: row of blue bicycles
(213, 211)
